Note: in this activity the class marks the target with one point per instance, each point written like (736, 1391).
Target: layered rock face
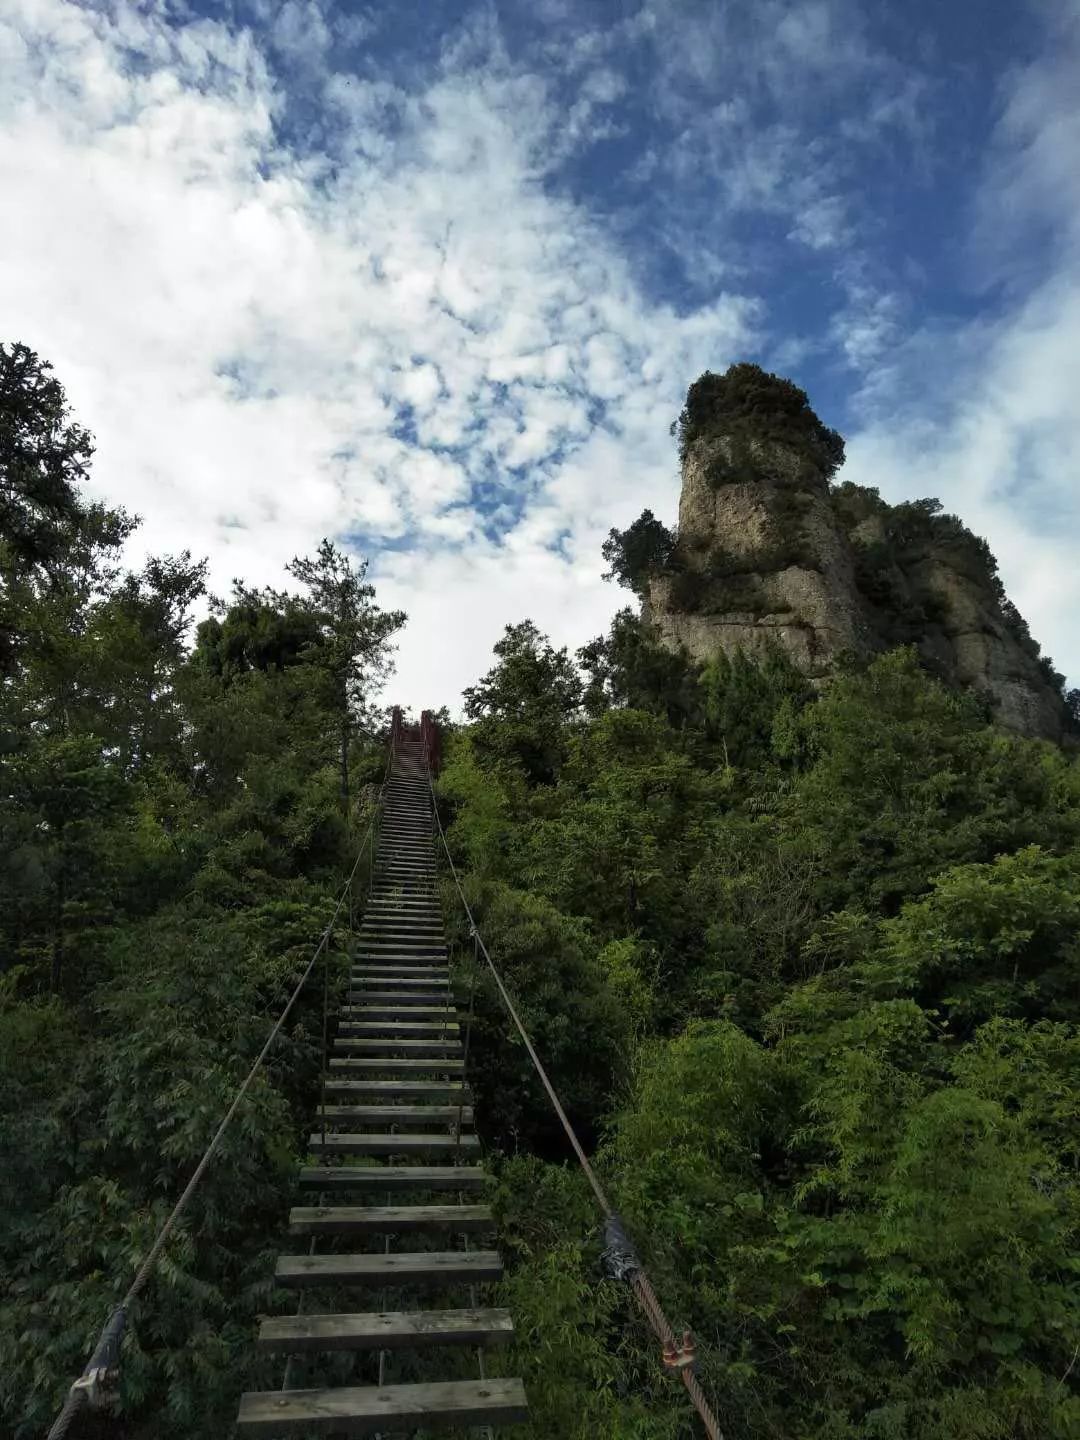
(769, 552)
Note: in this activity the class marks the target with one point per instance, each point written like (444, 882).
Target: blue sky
(433, 278)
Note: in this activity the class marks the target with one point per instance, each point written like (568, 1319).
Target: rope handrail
(100, 1370)
(623, 1258)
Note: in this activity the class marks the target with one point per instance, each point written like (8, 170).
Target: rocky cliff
(770, 550)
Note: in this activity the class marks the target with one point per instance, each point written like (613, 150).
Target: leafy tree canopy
(748, 403)
(636, 552)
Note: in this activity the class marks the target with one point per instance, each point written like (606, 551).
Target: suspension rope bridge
(394, 1098)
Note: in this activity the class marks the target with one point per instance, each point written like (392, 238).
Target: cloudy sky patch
(433, 279)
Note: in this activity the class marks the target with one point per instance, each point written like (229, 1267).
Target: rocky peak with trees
(770, 550)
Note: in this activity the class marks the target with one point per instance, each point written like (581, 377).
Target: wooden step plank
(394, 960)
(434, 995)
(411, 1117)
(400, 967)
(404, 965)
(405, 955)
(399, 1267)
(386, 1046)
(385, 1330)
(449, 1090)
(372, 1064)
(411, 905)
(419, 1028)
(397, 937)
(403, 887)
(379, 1219)
(360, 995)
(421, 955)
(366, 1410)
(407, 983)
(404, 936)
(407, 974)
(404, 1004)
(363, 998)
(399, 1029)
(438, 975)
(437, 1015)
(405, 890)
(396, 909)
(392, 1177)
(398, 934)
(367, 1143)
(421, 926)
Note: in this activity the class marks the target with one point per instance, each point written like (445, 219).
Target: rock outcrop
(769, 551)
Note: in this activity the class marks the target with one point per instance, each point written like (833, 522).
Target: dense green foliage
(748, 403)
(171, 839)
(807, 971)
(634, 553)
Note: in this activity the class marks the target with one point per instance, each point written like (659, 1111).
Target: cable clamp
(619, 1256)
(99, 1384)
(681, 1357)
(103, 1369)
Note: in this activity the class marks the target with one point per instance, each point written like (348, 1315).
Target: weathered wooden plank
(403, 905)
(391, 1012)
(392, 1177)
(364, 1410)
(376, 1219)
(400, 1267)
(341, 1143)
(401, 986)
(390, 970)
(387, 1046)
(419, 1029)
(421, 928)
(429, 914)
(385, 1330)
(411, 941)
(369, 1089)
(374, 1065)
(404, 1001)
(410, 1116)
(419, 955)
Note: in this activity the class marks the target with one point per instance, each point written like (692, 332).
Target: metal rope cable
(100, 1368)
(631, 1266)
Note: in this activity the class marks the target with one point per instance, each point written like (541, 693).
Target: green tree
(356, 636)
(638, 551)
(525, 700)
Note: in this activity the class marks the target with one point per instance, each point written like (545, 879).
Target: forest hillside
(803, 961)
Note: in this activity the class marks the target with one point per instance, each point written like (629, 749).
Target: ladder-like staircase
(397, 1104)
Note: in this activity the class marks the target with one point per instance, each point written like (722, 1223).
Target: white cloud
(241, 325)
(984, 414)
